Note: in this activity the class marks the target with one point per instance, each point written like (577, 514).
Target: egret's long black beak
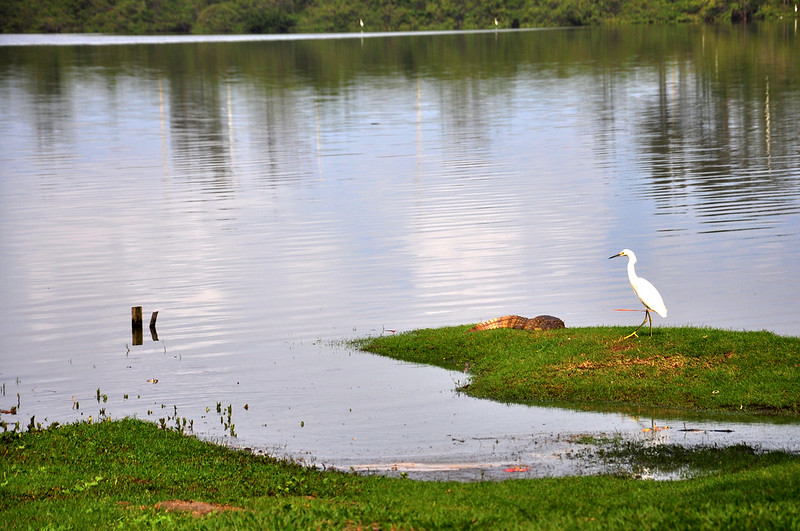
(616, 255)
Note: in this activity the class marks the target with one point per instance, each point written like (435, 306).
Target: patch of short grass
(678, 368)
(114, 474)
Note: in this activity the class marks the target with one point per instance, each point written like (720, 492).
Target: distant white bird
(646, 292)
(360, 21)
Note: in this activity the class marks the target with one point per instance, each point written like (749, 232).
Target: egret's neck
(631, 270)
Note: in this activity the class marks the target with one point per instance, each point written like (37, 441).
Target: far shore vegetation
(142, 17)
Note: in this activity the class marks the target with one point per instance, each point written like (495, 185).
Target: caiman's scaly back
(517, 322)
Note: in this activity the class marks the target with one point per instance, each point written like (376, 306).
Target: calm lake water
(270, 197)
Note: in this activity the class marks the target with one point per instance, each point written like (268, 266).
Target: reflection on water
(269, 196)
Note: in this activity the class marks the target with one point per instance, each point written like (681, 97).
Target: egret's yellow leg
(646, 317)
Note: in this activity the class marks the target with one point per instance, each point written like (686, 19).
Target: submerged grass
(678, 368)
(124, 474)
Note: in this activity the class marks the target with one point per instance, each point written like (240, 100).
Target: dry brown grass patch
(621, 361)
(195, 508)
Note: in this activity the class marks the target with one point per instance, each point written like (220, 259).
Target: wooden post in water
(153, 332)
(137, 337)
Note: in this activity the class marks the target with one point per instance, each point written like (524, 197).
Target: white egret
(646, 292)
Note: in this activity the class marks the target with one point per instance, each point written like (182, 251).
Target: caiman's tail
(517, 322)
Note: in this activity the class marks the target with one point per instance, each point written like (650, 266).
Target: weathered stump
(137, 336)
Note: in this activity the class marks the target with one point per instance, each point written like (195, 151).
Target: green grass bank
(679, 369)
(130, 474)
(133, 474)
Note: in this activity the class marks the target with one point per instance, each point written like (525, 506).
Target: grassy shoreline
(678, 369)
(133, 474)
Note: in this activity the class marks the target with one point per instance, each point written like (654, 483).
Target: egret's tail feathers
(660, 310)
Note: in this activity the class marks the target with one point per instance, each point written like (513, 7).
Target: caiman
(517, 322)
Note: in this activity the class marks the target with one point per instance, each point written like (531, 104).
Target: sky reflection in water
(268, 198)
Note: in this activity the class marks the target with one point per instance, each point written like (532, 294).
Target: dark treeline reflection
(705, 110)
(727, 53)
